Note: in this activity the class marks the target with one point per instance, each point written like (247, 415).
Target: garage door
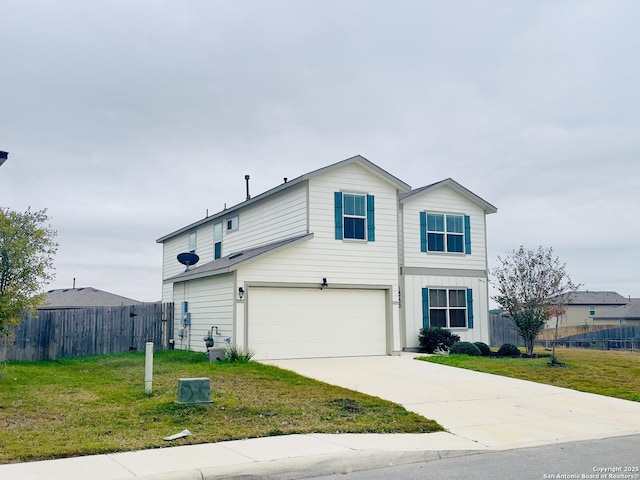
(309, 322)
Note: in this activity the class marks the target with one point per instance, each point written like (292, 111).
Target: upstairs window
(592, 310)
(447, 308)
(232, 223)
(447, 233)
(217, 241)
(192, 242)
(354, 216)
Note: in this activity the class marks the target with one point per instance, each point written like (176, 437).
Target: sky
(128, 120)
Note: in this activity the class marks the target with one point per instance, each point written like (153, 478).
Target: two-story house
(346, 260)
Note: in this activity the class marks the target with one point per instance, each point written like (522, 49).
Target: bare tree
(529, 283)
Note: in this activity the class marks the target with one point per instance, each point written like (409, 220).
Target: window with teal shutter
(447, 308)
(467, 234)
(445, 233)
(423, 231)
(337, 196)
(425, 307)
(469, 308)
(371, 224)
(354, 216)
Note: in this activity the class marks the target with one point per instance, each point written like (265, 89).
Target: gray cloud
(130, 119)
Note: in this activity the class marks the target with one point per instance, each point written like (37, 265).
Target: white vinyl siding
(444, 200)
(211, 302)
(282, 216)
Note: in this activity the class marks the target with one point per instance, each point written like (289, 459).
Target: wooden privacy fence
(53, 334)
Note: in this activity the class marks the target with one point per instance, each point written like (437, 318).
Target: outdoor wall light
(324, 283)
(241, 292)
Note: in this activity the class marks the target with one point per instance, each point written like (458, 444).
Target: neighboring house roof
(630, 311)
(232, 262)
(449, 182)
(359, 159)
(593, 298)
(85, 297)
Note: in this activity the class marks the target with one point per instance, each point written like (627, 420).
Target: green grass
(94, 405)
(610, 373)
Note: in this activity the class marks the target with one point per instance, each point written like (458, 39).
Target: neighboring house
(628, 314)
(345, 260)
(590, 308)
(86, 297)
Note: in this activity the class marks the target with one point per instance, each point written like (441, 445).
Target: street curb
(317, 465)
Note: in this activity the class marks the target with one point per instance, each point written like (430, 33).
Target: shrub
(509, 350)
(465, 348)
(436, 338)
(484, 348)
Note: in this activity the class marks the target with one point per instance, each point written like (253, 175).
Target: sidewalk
(291, 456)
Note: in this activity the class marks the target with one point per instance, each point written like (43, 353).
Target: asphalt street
(610, 458)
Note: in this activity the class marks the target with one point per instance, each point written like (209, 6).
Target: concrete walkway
(481, 412)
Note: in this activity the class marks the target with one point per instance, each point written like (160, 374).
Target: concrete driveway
(494, 412)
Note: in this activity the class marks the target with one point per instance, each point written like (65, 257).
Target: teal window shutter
(423, 231)
(467, 234)
(425, 307)
(469, 308)
(371, 223)
(337, 196)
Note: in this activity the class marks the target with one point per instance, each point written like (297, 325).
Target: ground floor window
(447, 307)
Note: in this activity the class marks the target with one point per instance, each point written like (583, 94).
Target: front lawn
(606, 372)
(97, 404)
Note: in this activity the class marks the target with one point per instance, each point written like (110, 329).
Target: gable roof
(85, 297)
(232, 262)
(449, 182)
(629, 311)
(593, 298)
(358, 159)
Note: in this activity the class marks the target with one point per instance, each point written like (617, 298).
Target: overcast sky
(129, 119)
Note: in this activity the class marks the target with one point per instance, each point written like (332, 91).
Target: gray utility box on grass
(194, 390)
(216, 354)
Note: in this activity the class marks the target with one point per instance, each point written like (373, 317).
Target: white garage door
(309, 322)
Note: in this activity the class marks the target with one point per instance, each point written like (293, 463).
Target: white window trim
(364, 217)
(445, 233)
(448, 308)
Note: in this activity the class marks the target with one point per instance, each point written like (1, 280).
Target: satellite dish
(188, 259)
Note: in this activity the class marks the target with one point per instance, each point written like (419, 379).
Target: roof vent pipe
(246, 178)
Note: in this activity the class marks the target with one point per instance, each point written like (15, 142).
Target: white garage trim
(303, 321)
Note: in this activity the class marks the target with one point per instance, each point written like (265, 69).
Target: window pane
(435, 242)
(359, 205)
(454, 223)
(217, 250)
(435, 223)
(217, 232)
(454, 243)
(192, 242)
(457, 298)
(458, 318)
(437, 317)
(349, 204)
(354, 228)
(437, 298)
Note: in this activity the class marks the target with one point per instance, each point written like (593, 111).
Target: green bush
(509, 350)
(465, 348)
(484, 348)
(436, 338)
